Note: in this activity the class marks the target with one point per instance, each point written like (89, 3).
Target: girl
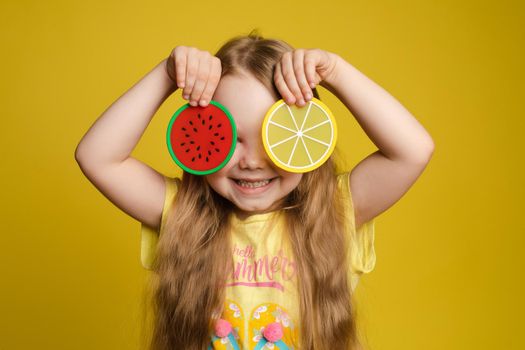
(243, 268)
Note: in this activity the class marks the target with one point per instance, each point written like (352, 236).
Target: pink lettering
(264, 271)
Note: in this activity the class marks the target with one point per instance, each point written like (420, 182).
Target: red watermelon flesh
(201, 137)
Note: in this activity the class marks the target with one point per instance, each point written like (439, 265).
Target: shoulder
(150, 236)
(172, 188)
(343, 184)
(172, 185)
(361, 234)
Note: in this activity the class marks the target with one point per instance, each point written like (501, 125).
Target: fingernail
(308, 95)
(193, 103)
(300, 102)
(312, 85)
(203, 103)
(186, 97)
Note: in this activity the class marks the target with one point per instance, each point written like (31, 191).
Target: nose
(252, 155)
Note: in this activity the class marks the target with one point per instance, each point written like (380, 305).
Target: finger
(180, 66)
(310, 63)
(298, 66)
(289, 77)
(213, 81)
(280, 84)
(192, 68)
(203, 74)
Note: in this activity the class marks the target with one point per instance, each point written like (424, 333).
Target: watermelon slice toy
(201, 140)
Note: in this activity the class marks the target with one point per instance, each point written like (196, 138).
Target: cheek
(297, 180)
(235, 155)
(212, 180)
(218, 179)
(292, 180)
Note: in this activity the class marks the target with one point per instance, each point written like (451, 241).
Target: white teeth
(253, 184)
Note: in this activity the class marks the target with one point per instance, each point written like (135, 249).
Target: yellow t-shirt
(263, 288)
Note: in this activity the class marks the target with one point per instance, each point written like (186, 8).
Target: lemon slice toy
(299, 139)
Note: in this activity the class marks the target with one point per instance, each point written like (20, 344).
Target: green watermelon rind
(230, 153)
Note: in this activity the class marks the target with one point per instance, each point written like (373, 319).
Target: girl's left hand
(301, 70)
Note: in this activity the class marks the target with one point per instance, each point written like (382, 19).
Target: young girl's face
(248, 100)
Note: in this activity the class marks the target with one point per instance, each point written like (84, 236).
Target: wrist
(337, 75)
(166, 71)
(332, 77)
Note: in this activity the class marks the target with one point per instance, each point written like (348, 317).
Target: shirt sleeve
(150, 236)
(362, 252)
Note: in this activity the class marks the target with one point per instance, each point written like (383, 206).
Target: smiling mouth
(253, 184)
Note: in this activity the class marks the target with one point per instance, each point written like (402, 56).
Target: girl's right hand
(197, 72)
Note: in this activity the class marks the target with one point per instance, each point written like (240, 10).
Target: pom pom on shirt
(222, 328)
(273, 332)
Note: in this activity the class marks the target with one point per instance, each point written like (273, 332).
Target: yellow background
(449, 253)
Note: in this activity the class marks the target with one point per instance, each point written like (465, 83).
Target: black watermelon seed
(193, 159)
(219, 125)
(210, 127)
(182, 144)
(198, 148)
(199, 156)
(209, 152)
(192, 142)
(222, 138)
(195, 129)
(216, 134)
(206, 158)
(191, 122)
(187, 150)
(213, 143)
(217, 150)
(184, 129)
(187, 135)
(209, 118)
(199, 116)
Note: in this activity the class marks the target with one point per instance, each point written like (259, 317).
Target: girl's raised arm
(405, 147)
(104, 153)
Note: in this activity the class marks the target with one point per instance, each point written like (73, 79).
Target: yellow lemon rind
(317, 163)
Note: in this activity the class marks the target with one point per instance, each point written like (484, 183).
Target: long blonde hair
(191, 267)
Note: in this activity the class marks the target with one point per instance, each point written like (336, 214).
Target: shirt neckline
(254, 217)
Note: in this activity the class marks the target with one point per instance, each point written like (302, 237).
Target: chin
(251, 209)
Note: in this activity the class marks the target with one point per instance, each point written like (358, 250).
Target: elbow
(422, 153)
(81, 157)
(86, 166)
(78, 155)
(430, 147)
(427, 151)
